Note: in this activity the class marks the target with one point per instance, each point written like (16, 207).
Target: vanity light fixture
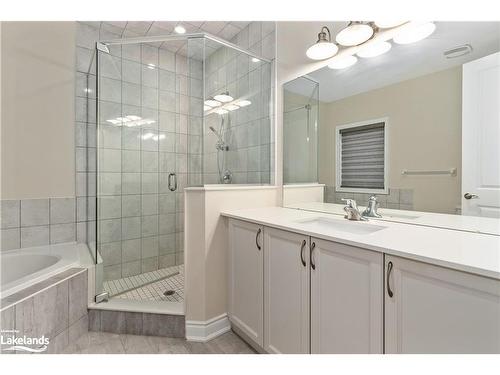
(231, 107)
(243, 103)
(354, 34)
(212, 103)
(179, 29)
(415, 32)
(224, 97)
(323, 48)
(220, 111)
(343, 62)
(374, 49)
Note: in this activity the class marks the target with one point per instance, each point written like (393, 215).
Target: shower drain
(169, 293)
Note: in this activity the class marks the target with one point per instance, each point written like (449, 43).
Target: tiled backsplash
(37, 222)
(399, 199)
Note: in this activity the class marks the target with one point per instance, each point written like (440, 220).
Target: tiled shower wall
(248, 130)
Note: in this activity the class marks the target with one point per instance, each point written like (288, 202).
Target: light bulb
(374, 49)
(224, 98)
(322, 50)
(415, 32)
(354, 34)
(212, 103)
(243, 103)
(343, 62)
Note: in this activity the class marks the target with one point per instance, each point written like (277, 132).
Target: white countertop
(475, 224)
(465, 251)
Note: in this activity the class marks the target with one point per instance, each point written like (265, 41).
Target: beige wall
(424, 133)
(38, 90)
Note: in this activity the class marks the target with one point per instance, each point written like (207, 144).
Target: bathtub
(22, 268)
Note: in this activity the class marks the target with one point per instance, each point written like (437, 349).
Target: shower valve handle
(172, 186)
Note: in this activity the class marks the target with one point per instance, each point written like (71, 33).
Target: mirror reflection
(416, 125)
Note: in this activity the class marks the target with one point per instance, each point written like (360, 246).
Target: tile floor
(111, 343)
(118, 286)
(154, 291)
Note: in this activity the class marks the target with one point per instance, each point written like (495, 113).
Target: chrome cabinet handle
(257, 239)
(470, 196)
(172, 187)
(313, 265)
(389, 271)
(302, 253)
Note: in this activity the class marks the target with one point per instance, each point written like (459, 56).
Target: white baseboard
(203, 331)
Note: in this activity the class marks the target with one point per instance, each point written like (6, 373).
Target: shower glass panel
(237, 127)
(300, 131)
(156, 136)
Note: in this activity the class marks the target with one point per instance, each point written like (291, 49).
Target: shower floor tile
(119, 286)
(154, 291)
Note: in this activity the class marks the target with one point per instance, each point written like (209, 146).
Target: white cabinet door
(346, 299)
(438, 310)
(481, 137)
(286, 292)
(246, 289)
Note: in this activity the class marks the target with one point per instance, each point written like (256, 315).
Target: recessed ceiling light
(224, 97)
(355, 33)
(179, 29)
(243, 103)
(387, 24)
(255, 60)
(231, 107)
(343, 62)
(415, 32)
(374, 49)
(323, 48)
(212, 103)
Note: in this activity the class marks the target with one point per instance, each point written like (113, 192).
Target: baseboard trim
(203, 331)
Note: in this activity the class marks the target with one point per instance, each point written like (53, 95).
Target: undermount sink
(354, 227)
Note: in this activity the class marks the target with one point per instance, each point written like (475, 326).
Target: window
(361, 163)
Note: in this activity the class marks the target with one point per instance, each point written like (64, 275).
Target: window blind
(362, 156)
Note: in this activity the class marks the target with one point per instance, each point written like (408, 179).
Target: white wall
(206, 243)
(38, 87)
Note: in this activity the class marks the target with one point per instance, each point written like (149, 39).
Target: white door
(481, 137)
(246, 278)
(430, 309)
(346, 299)
(286, 292)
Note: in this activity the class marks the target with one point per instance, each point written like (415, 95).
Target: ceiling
(132, 29)
(401, 63)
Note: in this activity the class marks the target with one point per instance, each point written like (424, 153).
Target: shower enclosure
(172, 112)
(300, 131)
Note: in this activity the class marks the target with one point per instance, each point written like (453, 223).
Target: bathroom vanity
(306, 282)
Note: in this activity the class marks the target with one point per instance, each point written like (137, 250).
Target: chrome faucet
(352, 212)
(371, 209)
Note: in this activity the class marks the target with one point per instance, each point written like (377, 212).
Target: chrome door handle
(389, 271)
(172, 187)
(313, 265)
(257, 238)
(470, 196)
(302, 247)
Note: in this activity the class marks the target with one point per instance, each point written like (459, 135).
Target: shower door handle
(172, 186)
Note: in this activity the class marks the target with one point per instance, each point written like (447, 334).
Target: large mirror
(417, 126)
